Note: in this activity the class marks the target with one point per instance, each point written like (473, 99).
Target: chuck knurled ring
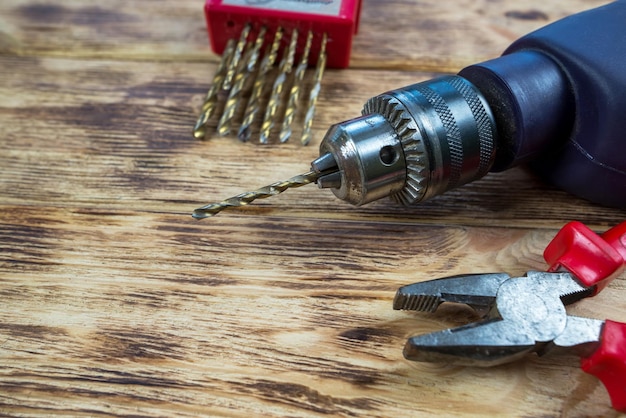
(415, 153)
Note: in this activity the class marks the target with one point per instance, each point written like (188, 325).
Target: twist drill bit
(210, 100)
(253, 103)
(315, 91)
(285, 67)
(294, 94)
(244, 199)
(234, 63)
(223, 127)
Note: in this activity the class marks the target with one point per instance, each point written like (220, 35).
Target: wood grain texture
(394, 34)
(115, 302)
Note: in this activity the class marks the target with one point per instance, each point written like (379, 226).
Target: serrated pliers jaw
(520, 315)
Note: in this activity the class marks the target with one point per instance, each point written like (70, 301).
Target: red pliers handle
(596, 260)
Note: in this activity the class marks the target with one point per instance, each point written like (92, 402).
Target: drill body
(555, 99)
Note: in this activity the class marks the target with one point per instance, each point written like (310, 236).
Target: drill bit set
(266, 51)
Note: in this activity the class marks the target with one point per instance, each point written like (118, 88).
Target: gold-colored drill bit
(243, 199)
(223, 127)
(253, 103)
(285, 67)
(294, 94)
(315, 91)
(210, 100)
(234, 63)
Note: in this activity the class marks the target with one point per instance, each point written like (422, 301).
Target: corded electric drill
(555, 99)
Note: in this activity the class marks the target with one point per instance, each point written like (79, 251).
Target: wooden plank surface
(115, 302)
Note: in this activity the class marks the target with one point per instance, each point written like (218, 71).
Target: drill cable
(246, 198)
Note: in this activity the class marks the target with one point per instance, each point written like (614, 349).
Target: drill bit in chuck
(246, 198)
(323, 167)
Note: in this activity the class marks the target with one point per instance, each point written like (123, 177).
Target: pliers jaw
(520, 315)
(460, 345)
(476, 290)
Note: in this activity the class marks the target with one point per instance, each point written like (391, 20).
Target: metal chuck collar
(412, 143)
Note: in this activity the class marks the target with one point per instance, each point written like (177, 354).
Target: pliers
(527, 314)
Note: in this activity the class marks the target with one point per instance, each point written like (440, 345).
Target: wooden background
(116, 302)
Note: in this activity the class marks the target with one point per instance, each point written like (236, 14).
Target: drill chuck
(412, 143)
(554, 99)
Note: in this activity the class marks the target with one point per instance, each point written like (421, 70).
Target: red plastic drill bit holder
(338, 20)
